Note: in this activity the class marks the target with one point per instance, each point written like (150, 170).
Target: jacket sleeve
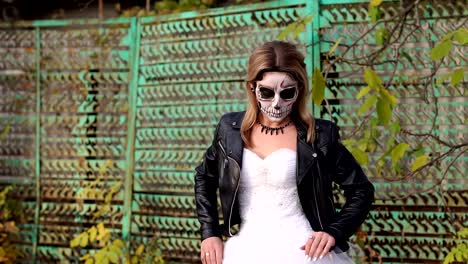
(358, 190)
(206, 185)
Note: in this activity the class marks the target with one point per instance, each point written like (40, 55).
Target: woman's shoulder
(232, 118)
(328, 131)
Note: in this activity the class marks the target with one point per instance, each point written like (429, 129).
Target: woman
(274, 165)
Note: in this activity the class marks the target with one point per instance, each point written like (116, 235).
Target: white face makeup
(276, 94)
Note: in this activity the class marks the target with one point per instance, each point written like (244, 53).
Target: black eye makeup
(268, 93)
(288, 93)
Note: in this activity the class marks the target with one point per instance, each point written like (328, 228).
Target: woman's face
(276, 94)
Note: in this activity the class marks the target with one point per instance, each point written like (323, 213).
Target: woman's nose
(276, 102)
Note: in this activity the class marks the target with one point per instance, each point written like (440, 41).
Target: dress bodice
(268, 186)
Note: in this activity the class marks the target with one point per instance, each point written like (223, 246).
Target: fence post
(37, 146)
(130, 151)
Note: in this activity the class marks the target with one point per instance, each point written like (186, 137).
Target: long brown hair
(282, 57)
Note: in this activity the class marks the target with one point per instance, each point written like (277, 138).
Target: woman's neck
(264, 120)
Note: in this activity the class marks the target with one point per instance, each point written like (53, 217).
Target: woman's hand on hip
(318, 245)
(212, 250)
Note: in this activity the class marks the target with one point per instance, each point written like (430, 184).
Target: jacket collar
(306, 152)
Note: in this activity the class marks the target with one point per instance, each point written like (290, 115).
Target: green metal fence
(135, 100)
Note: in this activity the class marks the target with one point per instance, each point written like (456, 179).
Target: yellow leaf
(115, 187)
(89, 261)
(101, 228)
(84, 240)
(5, 131)
(140, 249)
(368, 103)
(113, 257)
(419, 162)
(363, 92)
(10, 227)
(87, 256)
(333, 48)
(318, 87)
(283, 34)
(134, 260)
(375, 3)
(75, 241)
(106, 165)
(92, 234)
(118, 243)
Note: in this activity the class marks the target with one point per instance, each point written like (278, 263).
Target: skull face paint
(276, 94)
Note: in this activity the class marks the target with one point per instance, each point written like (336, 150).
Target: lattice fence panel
(407, 224)
(192, 70)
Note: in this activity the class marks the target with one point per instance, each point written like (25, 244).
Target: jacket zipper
(315, 199)
(237, 185)
(233, 199)
(316, 207)
(224, 152)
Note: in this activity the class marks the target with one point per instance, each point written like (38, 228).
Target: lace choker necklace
(270, 130)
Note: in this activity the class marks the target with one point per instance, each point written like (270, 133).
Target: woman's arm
(206, 185)
(358, 190)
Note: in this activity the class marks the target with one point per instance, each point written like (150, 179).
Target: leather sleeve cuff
(208, 231)
(335, 233)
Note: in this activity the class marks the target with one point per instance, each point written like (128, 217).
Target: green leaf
(318, 87)
(368, 103)
(375, 3)
(381, 36)
(363, 92)
(360, 156)
(461, 36)
(333, 48)
(388, 96)
(372, 79)
(419, 162)
(398, 152)
(443, 78)
(284, 34)
(395, 127)
(457, 76)
(441, 50)
(384, 111)
(374, 13)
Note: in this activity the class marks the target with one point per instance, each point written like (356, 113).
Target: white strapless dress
(274, 226)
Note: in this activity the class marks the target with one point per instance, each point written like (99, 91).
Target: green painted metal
(136, 100)
(38, 144)
(132, 102)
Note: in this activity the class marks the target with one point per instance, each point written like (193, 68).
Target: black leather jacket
(318, 165)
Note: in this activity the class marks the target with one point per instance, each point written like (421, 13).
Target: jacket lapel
(234, 141)
(306, 153)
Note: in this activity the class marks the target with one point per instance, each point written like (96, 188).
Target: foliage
(378, 103)
(459, 253)
(379, 126)
(8, 214)
(110, 248)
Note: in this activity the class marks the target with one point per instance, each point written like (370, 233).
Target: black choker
(270, 130)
